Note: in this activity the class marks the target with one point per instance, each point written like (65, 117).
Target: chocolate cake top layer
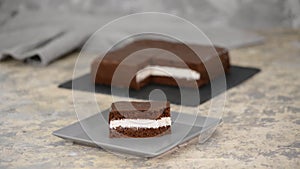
(123, 106)
(181, 50)
(139, 110)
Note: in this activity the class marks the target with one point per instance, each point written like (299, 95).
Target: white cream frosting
(179, 73)
(140, 123)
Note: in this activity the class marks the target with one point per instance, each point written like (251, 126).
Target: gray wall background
(247, 14)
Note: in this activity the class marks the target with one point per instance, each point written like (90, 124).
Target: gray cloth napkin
(43, 36)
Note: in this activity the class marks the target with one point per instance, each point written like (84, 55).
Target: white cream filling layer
(179, 73)
(140, 123)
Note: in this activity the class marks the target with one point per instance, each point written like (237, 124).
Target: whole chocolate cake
(139, 119)
(156, 61)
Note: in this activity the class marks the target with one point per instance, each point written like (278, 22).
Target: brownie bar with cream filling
(155, 61)
(139, 119)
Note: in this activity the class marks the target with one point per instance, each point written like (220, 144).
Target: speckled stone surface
(261, 126)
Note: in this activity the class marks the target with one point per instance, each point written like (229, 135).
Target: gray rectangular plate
(182, 131)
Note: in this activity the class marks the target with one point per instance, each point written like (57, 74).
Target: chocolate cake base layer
(120, 132)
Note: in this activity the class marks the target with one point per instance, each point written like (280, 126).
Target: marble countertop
(261, 126)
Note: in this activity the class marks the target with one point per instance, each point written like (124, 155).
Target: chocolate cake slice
(139, 119)
(155, 61)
